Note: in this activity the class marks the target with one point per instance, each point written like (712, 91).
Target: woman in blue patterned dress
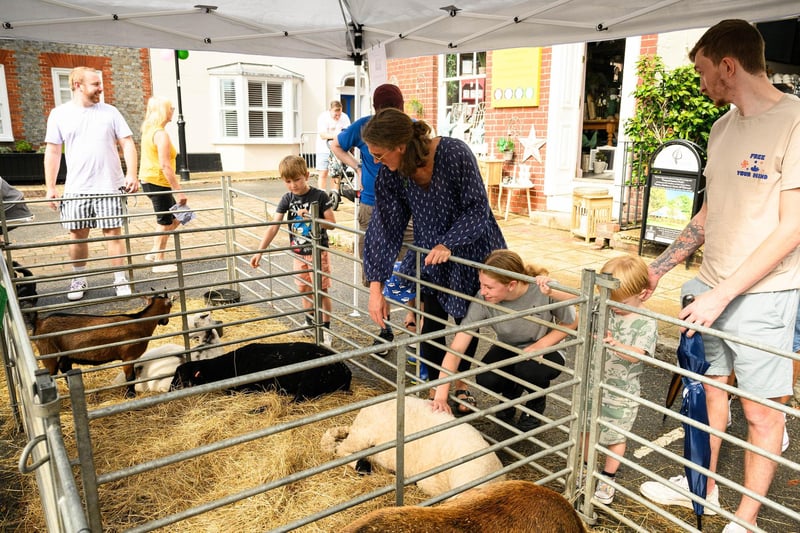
(435, 180)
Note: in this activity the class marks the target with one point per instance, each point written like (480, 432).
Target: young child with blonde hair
(632, 332)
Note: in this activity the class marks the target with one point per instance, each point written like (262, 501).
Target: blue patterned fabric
(453, 211)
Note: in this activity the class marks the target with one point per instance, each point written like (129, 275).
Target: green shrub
(669, 105)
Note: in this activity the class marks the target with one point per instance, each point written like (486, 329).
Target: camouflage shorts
(621, 417)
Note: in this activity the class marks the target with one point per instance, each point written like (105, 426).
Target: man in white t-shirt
(748, 282)
(329, 124)
(90, 130)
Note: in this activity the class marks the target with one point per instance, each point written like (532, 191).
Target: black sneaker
(527, 422)
(387, 336)
(506, 415)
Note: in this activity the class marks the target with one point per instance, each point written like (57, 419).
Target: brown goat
(74, 337)
(507, 506)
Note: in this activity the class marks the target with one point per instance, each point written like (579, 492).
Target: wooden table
(608, 124)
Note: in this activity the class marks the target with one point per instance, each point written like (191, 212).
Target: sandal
(465, 396)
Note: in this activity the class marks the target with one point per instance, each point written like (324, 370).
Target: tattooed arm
(689, 241)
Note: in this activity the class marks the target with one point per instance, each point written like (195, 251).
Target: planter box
(27, 169)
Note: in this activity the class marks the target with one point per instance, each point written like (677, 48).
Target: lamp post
(183, 169)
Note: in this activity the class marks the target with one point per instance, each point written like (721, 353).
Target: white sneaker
(122, 287)
(604, 493)
(165, 268)
(665, 495)
(77, 289)
(733, 527)
(327, 338)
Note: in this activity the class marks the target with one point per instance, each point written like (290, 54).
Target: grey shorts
(766, 318)
(80, 211)
(322, 160)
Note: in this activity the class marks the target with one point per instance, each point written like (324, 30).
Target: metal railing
(216, 252)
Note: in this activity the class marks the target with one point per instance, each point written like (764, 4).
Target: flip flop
(466, 397)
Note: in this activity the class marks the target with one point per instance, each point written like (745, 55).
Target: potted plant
(600, 162)
(22, 164)
(506, 147)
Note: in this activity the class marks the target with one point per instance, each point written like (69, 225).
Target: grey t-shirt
(520, 332)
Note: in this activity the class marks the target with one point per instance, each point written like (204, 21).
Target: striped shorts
(79, 211)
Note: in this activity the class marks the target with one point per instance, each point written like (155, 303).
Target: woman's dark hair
(390, 128)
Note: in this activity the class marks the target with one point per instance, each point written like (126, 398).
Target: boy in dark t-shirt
(297, 205)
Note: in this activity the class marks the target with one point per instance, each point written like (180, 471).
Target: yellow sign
(515, 77)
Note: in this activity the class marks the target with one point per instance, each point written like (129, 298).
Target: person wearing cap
(386, 95)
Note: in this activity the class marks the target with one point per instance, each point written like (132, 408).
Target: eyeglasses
(379, 158)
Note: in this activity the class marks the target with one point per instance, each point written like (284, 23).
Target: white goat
(376, 424)
(156, 367)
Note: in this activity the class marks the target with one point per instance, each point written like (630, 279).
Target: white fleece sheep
(157, 365)
(376, 424)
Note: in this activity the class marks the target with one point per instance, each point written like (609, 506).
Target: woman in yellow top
(157, 175)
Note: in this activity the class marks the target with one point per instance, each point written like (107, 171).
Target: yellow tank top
(149, 166)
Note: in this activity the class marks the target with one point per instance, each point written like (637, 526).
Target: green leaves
(669, 105)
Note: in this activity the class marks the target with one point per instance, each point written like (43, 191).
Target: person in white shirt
(90, 130)
(329, 124)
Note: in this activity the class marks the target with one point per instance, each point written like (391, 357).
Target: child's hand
(441, 405)
(542, 283)
(255, 260)
(608, 339)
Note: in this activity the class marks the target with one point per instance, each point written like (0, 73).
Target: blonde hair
(335, 104)
(512, 262)
(292, 167)
(77, 75)
(157, 113)
(631, 271)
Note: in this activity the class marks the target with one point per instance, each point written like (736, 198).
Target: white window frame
(290, 94)
(59, 96)
(6, 131)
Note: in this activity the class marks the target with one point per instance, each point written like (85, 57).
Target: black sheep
(256, 357)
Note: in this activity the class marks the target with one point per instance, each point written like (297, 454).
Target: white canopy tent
(342, 29)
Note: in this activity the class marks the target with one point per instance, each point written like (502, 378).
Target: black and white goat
(156, 367)
(256, 357)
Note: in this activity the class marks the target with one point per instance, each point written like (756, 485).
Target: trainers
(664, 495)
(527, 422)
(77, 289)
(733, 527)
(387, 336)
(506, 415)
(122, 287)
(165, 268)
(604, 493)
(327, 338)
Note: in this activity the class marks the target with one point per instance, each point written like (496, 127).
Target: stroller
(344, 178)
(15, 211)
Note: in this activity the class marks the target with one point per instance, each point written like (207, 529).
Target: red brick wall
(418, 79)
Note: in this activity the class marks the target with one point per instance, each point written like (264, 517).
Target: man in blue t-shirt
(386, 95)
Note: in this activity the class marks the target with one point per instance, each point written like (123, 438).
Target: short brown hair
(292, 167)
(733, 38)
(632, 273)
(336, 104)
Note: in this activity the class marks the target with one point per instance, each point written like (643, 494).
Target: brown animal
(121, 327)
(507, 506)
